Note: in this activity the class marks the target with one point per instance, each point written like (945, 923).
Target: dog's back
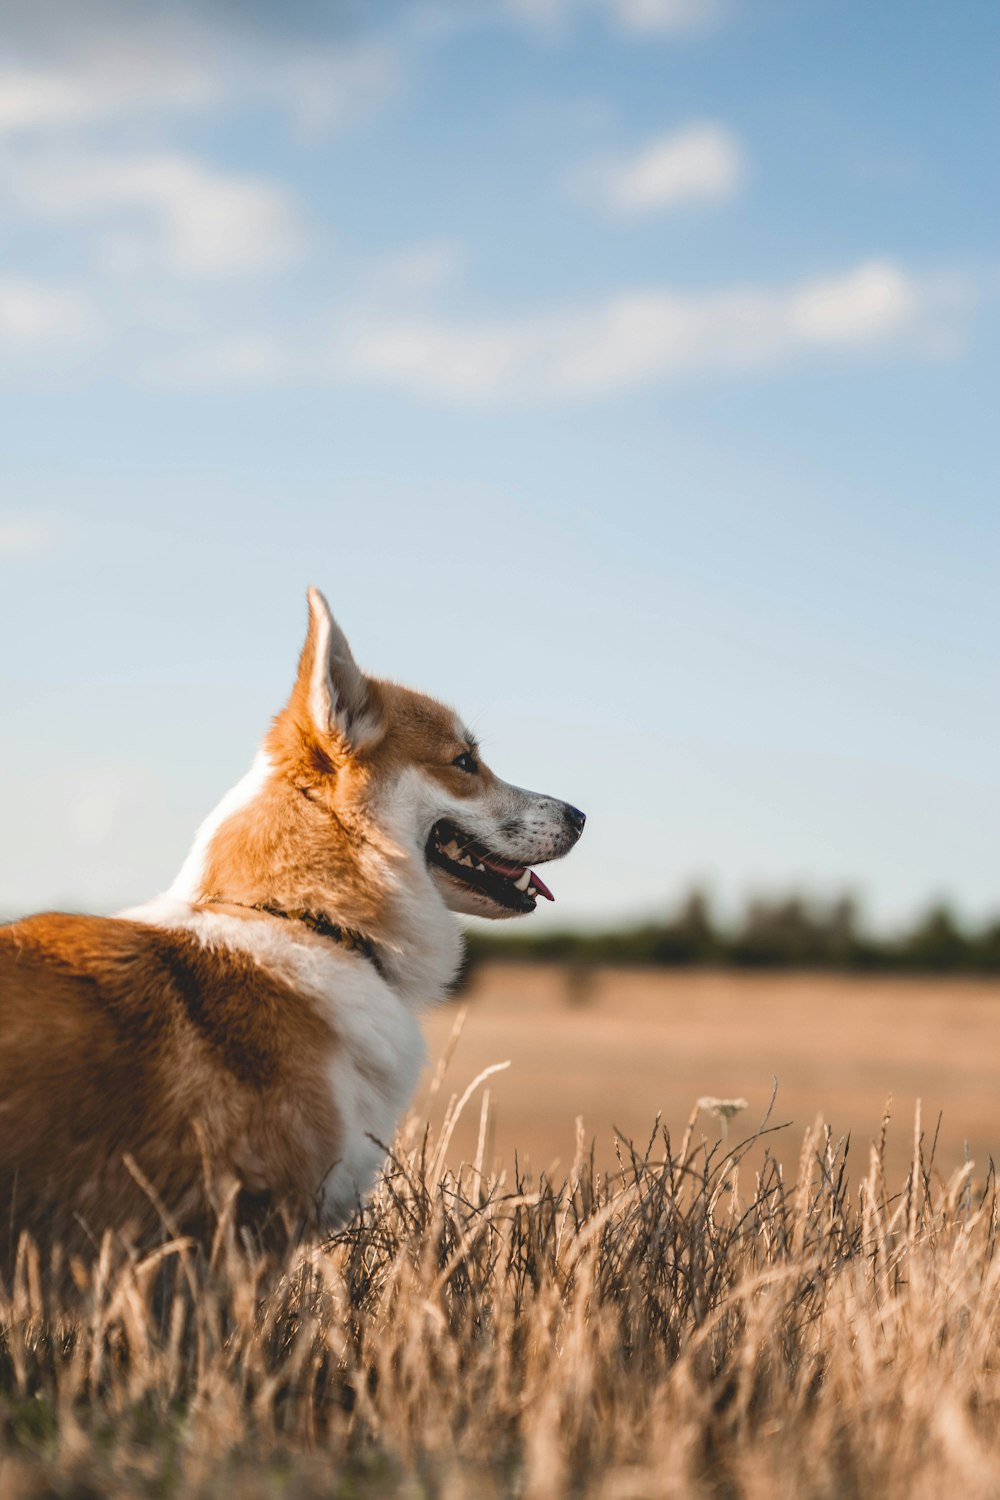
(131, 1058)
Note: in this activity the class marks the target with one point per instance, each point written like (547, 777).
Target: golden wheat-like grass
(684, 1327)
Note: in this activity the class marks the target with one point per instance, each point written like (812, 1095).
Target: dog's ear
(331, 688)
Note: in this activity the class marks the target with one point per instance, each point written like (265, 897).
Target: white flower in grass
(722, 1109)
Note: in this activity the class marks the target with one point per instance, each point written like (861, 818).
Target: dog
(258, 1024)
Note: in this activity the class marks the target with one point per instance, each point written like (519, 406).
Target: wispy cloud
(699, 164)
(23, 536)
(245, 359)
(319, 90)
(640, 16)
(418, 269)
(626, 340)
(666, 15)
(81, 78)
(93, 62)
(33, 313)
(638, 337)
(97, 88)
(165, 209)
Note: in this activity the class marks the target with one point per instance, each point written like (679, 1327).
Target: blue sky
(623, 370)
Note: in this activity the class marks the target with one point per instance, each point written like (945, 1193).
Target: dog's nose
(575, 818)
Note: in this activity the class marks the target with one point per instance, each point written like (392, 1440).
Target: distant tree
(775, 934)
(784, 932)
(937, 943)
(987, 949)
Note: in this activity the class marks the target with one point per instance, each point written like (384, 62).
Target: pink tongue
(514, 872)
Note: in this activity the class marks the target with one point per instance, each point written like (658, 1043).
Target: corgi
(258, 1024)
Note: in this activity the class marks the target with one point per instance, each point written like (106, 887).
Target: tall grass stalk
(691, 1325)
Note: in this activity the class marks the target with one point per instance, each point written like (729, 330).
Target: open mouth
(473, 865)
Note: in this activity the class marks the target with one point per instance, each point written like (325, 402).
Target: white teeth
(456, 852)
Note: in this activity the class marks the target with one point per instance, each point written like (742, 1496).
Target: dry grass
(680, 1327)
(620, 1046)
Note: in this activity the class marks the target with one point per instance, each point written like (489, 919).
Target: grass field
(699, 1322)
(617, 1047)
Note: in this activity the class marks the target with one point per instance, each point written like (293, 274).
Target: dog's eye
(466, 762)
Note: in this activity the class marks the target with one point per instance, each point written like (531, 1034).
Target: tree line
(791, 932)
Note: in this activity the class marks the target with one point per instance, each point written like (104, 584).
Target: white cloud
(701, 163)
(418, 269)
(248, 359)
(488, 360)
(870, 304)
(642, 16)
(325, 88)
(542, 13)
(111, 61)
(97, 88)
(27, 536)
(638, 337)
(33, 313)
(666, 15)
(321, 90)
(192, 218)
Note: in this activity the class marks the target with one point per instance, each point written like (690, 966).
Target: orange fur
(302, 843)
(123, 1039)
(207, 1036)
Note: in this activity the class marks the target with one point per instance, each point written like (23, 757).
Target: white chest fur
(374, 1069)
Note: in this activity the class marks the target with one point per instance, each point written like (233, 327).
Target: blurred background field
(618, 1046)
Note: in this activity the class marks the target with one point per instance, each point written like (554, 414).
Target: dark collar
(316, 921)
